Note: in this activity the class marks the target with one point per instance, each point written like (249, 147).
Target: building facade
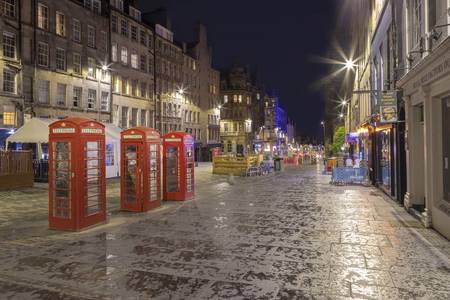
(426, 92)
(399, 108)
(132, 67)
(65, 56)
(236, 131)
(208, 87)
(11, 90)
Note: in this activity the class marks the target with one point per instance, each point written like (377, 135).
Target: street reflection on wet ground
(286, 236)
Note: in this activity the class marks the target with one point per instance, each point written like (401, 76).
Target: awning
(36, 131)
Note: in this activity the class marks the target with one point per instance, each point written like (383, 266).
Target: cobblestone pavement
(287, 236)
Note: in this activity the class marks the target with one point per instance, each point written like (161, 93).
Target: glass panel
(93, 174)
(189, 168)
(61, 180)
(131, 158)
(172, 169)
(153, 173)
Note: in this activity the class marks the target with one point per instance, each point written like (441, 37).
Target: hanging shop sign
(388, 107)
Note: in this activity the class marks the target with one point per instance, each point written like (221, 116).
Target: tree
(338, 141)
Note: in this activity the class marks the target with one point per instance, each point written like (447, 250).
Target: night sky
(279, 38)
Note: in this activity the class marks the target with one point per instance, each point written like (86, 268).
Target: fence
(16, 169)
(40, 168)
(349, 175)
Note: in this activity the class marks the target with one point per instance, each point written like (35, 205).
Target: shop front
(426, 91)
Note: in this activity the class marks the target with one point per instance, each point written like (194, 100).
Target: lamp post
(323, 126)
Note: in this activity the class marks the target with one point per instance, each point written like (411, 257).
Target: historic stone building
(236, 112)
(65, 56)
(191, 96)
(208, 101)
(11, 96)
(132, 56)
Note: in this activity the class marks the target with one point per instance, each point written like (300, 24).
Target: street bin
(140, 183)
(77, 191)
(278, 164)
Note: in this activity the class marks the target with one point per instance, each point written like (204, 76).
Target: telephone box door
(154, 179)
(92, 206)
(132, 172)
(62, 187)
(172, 168)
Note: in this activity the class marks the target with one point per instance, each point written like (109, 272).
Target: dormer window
(135, 13)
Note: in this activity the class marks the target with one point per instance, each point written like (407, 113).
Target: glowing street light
(181, 91)
(341, 116)
(349, 64)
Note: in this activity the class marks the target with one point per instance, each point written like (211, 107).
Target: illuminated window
(240, 98)
(8, 118)
(235, 97)
(134, 60)
(42, 16)
(92, 68)
(60, 24)
(114, 52)
(124, 55)
(225, 99)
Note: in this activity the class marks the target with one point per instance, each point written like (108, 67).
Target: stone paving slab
(286, 236)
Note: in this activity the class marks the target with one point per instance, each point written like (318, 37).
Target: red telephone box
(178, 162)
(77, 193)
(140, 183)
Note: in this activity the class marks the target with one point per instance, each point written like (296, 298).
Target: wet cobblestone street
(285, 236)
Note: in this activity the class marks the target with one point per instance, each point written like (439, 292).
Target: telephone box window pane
(190, 168)
(172, 169)
(131, 156)
(93, 173)
(61, 180)
(153, 173)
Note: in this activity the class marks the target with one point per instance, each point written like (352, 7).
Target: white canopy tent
(36, 131)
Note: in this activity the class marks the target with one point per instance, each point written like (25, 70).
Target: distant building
(236, 112)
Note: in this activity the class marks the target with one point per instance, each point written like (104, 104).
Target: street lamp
(323, 126)
(349, 64)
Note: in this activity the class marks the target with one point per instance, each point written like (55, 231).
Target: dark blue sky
(280, 38)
